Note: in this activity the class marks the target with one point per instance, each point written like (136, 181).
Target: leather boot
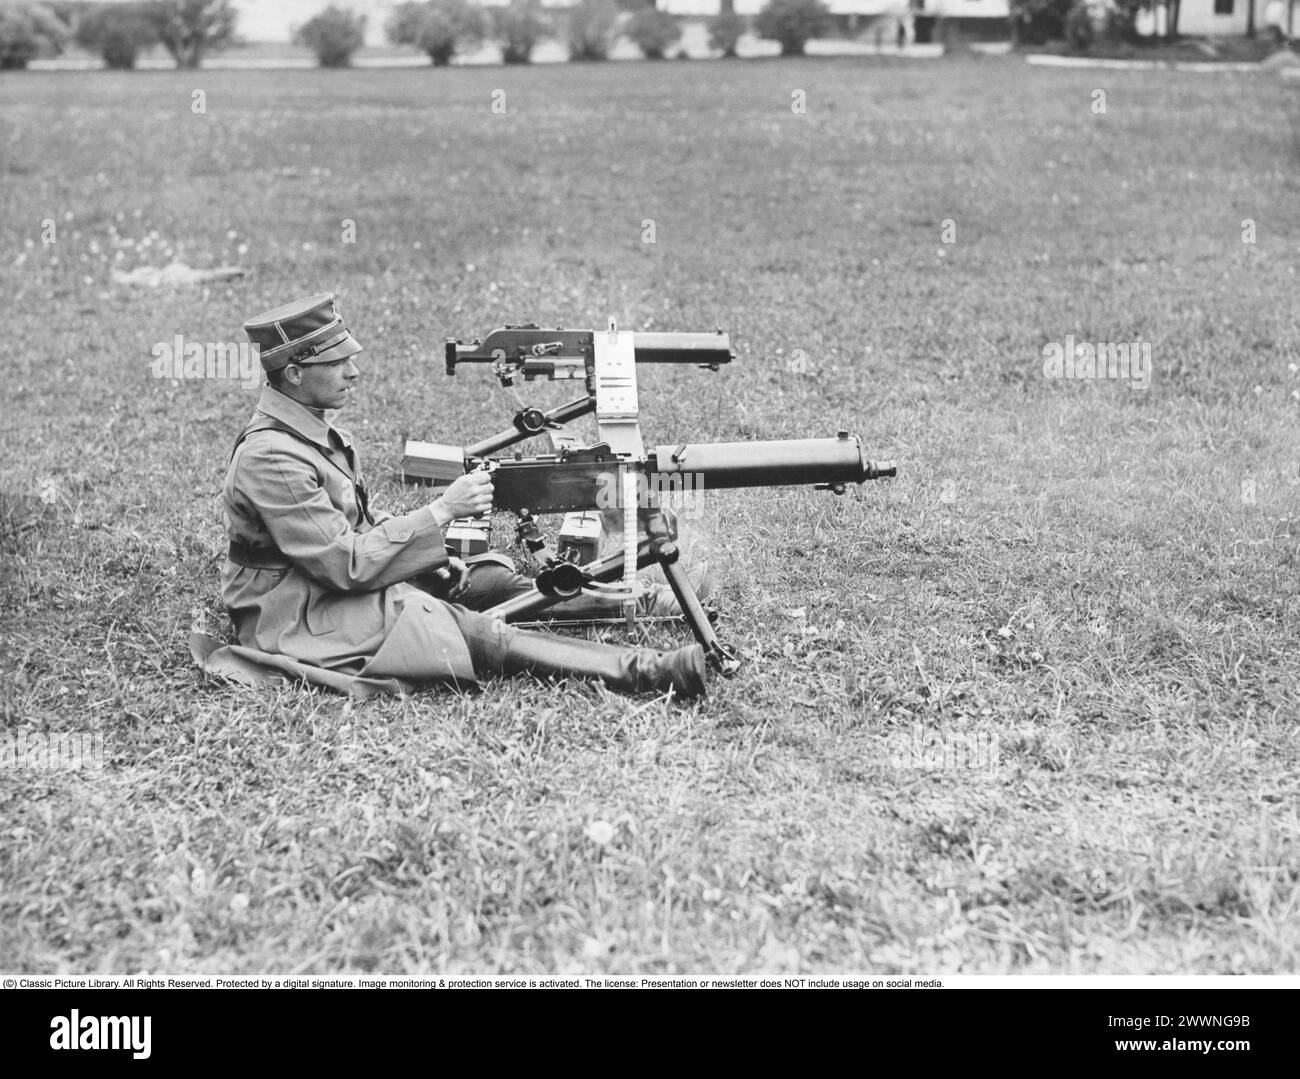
(498, 648)
(628, 670)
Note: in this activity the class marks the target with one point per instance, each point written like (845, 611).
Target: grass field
(1032, 706)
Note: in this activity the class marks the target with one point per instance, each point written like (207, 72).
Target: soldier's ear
(293, 374)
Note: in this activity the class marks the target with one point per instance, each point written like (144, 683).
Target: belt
(257, 557)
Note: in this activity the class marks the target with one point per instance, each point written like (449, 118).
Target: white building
(868, 8)
(1227, 18)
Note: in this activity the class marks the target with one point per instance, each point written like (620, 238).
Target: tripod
(559, 581)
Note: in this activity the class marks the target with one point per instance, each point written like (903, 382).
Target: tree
(333, 35)
(28, 31)
(1120, 19)
(118, 33)
(653, 31)
(519, 26)
(591, 29)
(1079, 31)
(190, 28)
(1035, 21)
(793, 23)
(438, 27)
(725, 30)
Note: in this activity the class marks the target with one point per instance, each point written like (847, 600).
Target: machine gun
(617, 473)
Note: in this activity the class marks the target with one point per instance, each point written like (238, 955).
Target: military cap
(304, 331)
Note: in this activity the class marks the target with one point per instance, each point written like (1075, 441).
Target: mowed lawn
(1032, 706)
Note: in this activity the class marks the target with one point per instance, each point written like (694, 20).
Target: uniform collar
(302, 419)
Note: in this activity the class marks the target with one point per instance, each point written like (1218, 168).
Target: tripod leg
(661, 534)
(693, 610)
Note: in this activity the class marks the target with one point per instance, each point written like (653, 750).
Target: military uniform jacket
(313, 584)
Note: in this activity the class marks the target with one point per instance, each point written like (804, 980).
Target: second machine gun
(617, 473)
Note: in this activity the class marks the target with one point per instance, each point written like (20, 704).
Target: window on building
(1223, 7)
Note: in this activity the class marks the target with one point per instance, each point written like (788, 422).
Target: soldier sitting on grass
(322, 587)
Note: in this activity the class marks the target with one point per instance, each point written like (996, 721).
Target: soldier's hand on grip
(469, 495)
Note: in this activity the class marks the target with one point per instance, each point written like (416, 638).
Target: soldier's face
(327, 385)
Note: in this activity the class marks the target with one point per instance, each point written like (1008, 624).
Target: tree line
(190, 29)
(187, 29)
